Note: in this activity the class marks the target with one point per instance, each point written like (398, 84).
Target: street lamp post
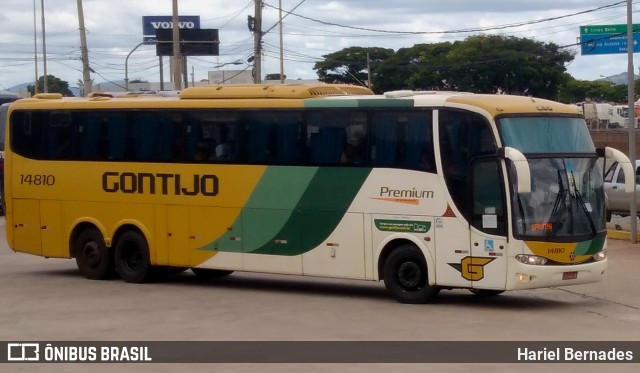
(126, 67)
(228, 63)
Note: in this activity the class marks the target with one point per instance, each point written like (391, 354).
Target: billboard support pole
(177, 65)
(632, 121)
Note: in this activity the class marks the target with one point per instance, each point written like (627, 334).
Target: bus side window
(287, 144)
(145, 128)
(326, 137)
(463, 137)
(28, 133)
(166, 135)
(117, 139)
(60, 136)
(403, 139)
(258, 130)
(418, 141)
(355, 150)
(193, 137)
(89, 130)
(385, 146)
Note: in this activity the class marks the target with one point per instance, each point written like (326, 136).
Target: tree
(481, 64)
(598, 91)
(349, 65)
(54, 85)
(506, 64)
(432, 70)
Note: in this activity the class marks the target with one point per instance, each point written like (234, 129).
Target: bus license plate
(569, 275)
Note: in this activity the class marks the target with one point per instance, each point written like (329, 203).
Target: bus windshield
(546, 134)
(566, 198)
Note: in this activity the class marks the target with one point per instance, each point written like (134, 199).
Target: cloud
(114, 28)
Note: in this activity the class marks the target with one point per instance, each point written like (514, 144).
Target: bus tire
(132, 258)
(210, 274)
(405, 276)
(94, 259)
(486, 293)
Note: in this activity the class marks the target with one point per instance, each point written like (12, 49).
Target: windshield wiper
(578, 196)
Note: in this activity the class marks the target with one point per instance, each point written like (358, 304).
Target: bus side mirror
(520, 164)
(625, 165)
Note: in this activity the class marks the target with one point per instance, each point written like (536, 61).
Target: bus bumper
(523, 276)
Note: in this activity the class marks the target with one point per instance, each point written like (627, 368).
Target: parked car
(617, 201)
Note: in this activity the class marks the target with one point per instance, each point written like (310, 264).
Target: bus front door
(486, 267)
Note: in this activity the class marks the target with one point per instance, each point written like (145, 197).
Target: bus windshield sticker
(489, 221)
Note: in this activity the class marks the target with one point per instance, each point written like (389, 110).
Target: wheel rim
(410, 275)
(91, 254)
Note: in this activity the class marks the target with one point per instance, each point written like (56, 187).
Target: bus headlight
(602, 255)
(531, 259)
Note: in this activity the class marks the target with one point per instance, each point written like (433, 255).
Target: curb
(621, 235)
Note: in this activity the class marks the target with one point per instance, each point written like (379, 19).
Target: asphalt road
(48, 300)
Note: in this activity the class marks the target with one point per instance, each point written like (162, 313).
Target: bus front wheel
(94, 259)
(405, 276)
(132, 258)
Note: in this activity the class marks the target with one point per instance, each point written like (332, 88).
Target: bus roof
(301, 95)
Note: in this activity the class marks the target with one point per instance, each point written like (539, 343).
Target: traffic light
(251, 23)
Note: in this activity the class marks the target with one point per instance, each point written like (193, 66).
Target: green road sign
(606, 29)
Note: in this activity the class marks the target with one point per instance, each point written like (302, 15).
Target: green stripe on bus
(386, 103)
(319, 211)
(358, 103)
(293, 209)
(268, 209)
(590, 247)
(321, 103)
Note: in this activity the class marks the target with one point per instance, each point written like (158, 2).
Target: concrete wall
(618, 139)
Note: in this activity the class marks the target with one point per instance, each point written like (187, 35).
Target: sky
(313, 28)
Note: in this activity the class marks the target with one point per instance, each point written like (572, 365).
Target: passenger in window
(426, 162)
(203, 152)
(178, 148)
(65, 148)
(350, 155)
(223, 151)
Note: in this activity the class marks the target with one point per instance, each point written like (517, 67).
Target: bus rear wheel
(405, 276)
(94, 259)
(132, 258)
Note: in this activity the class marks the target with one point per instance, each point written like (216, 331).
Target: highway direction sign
(607, 39)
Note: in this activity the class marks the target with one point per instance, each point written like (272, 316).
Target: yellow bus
(423, 190)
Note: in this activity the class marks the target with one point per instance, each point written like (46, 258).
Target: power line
(459, 31)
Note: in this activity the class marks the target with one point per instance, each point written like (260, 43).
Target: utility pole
(281, 45)
(177, 58)
(44, 49)
(257, 44)
(633, 213)
(35, 46)
(86, 75)
(369, 83)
